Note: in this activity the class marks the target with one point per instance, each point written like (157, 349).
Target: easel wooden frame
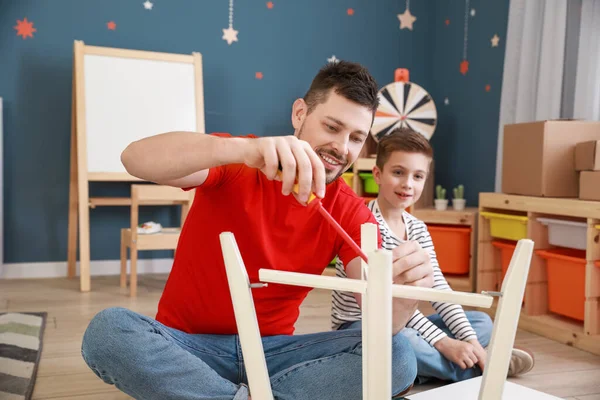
(377, 291)
(79, 200)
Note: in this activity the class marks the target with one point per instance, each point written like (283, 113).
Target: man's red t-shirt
(272, 231)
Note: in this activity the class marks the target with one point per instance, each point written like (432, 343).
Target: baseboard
(100, 267)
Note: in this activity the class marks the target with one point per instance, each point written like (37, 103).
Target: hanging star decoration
(258, 75)
(406, 18)
(464, 65)
(332, 59)
(472, 12)
(350, 11)
(447, 22)
(148, 5)
(446, 101)
(25, 28)
(230, 34)
(495, 39)
(111, 25)
(270, 5)
(488, 87)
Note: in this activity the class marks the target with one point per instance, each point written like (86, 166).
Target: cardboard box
(589, 185)
(587, 156)
(539, 157)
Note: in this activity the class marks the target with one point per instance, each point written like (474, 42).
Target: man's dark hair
(348, 79)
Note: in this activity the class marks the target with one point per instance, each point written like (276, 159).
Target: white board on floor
(469, 390)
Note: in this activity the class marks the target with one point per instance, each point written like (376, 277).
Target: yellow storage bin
(506, 226)
(347, 176)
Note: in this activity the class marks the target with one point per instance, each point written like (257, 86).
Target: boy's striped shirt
(344, 306)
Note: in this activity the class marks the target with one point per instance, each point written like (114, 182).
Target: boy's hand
(480, 353)
(298, 161)
(412, 265)
(460, 353)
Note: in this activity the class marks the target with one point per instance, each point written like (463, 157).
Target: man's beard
(328, 177)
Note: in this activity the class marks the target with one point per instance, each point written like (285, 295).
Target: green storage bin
(507, 226)
(370, 186)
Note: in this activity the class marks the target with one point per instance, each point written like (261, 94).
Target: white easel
(120, 96)
(377, 292)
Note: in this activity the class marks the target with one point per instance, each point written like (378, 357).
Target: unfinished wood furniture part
(536, 316)
(377, 291)
(166, 239)
(108, 114)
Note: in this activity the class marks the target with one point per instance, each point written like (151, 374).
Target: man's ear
(299, 111)
(377, 175)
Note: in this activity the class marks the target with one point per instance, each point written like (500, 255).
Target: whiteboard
(127, 99)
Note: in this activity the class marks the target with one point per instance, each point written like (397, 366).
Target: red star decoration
(25, 28)
(259, 75)
(488, 88)
(447, 22)
(270, 5)
(111, 25)
(464, 67)
(350, 11)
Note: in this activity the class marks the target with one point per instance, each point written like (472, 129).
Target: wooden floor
(560, 370)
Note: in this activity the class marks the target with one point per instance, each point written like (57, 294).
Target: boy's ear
(377, 175)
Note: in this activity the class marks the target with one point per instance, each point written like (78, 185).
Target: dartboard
(404, 104)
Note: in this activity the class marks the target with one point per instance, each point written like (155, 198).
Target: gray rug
(20, 350)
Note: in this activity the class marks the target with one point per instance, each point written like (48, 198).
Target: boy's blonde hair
(402, 139)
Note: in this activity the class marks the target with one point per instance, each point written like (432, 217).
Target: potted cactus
(441, 202)
(458, 201)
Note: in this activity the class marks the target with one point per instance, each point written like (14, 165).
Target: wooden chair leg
(133, 277)
(123, 260)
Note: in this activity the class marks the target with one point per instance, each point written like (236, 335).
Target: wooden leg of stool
(123, 260)
(133, 278)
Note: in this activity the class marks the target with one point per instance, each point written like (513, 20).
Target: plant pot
(459, 204)
(441, 204)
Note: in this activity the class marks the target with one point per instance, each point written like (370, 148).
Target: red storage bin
(507, 248)
(566, 281)
(452, 247)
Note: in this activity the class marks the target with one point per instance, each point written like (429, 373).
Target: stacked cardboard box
(587, 162)
(539, 159)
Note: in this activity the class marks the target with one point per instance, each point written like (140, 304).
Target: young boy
(449, 345)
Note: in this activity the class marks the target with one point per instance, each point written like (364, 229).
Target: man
(191, 350)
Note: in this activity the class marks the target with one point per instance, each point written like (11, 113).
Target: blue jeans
(148, 360)
(432, 364)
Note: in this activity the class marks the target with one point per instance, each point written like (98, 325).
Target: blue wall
(287, 43)
(465, 140)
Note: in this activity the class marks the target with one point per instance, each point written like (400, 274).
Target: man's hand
(460, 353)
(412, 265)
(480, 353)
(298, 161)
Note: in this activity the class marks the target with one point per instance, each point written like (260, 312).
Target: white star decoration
(495, 39)
(148, 5)
(332, 59)
(230, 35)
(446, 101)
(406, 20)
(472, 12)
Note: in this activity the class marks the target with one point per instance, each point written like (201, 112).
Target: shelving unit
(424, 211)
(466, 217)
(535, 315)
